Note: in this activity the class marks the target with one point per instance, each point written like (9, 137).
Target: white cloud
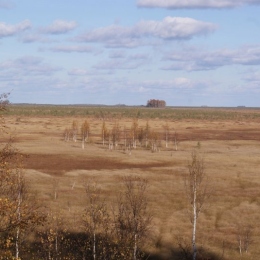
(176, 83)
(253, 76)
(170, 28)
(118, 65)
(32, 37)
(79, 72)
(70, 49)
(27, 65)
(5, 4)
(59, 27)
(178, 4)
(194, 59)
(10, 30)
(121, 61)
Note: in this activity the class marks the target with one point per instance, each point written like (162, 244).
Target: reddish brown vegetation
(59, 164)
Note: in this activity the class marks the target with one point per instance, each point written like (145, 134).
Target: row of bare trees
(121, 232)
(127, 138)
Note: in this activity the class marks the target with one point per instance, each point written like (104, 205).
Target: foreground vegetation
(121, 199)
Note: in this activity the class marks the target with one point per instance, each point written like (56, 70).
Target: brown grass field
(231, 152)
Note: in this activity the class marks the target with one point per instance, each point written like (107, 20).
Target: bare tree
(52, 236)
(166, 134)
(196, 188)
(141, 135)
(244, 237)
(75, 127)
(134, 131)
(96, 222)
(115, 135)
(176, 142)
(133, 219)
(104, 132)
(67, 134)
(17, 210)
(84, 133)
(55, 187)
(147, 133)
(154, 141)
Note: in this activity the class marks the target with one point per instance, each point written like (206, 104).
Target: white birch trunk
(94, 246)
(194, 219)
(175, 142)
(83, 143)
(19, 200)
(135, 248)
(17, 244)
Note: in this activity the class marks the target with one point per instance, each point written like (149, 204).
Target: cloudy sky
(186, 52)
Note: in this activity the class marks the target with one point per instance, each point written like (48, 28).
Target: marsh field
(228, 139)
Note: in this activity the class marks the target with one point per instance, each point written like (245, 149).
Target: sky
(186, 52)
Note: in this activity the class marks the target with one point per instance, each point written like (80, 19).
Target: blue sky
(186, 52)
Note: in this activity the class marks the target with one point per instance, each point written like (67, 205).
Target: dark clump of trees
(156, 103)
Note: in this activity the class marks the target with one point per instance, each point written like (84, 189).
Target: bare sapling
(84, 133)
(175, 141)
(134, 131)
(55, 187)
(154, 141)
(166, 134)
(96, 222)
(52, 236)
(104, 132)
(115, 135)
(141, 135)
(132, 219)
(244, 237)
(197, 192)
(147, 133)
(67, 134)
(74, 130)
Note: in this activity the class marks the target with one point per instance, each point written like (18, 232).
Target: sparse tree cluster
(132, 138)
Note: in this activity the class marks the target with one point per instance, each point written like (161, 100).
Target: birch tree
(67, 134)
(96, 222)
(18, 211)
(147, 133)
(244, 237)
(74, 129)
(115, 135)
(166, 134)
(134, 131)
(52, 237)
(104, 132)
(176, 141)
(133, 219)
(141, 135)
(196, 187)
(84, 133)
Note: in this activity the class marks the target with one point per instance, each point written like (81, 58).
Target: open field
(228, 139)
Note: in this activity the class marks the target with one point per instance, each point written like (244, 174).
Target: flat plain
(228, 140)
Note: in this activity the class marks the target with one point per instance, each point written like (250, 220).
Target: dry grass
(231, 152)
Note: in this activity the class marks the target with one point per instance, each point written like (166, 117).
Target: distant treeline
(171, 113)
